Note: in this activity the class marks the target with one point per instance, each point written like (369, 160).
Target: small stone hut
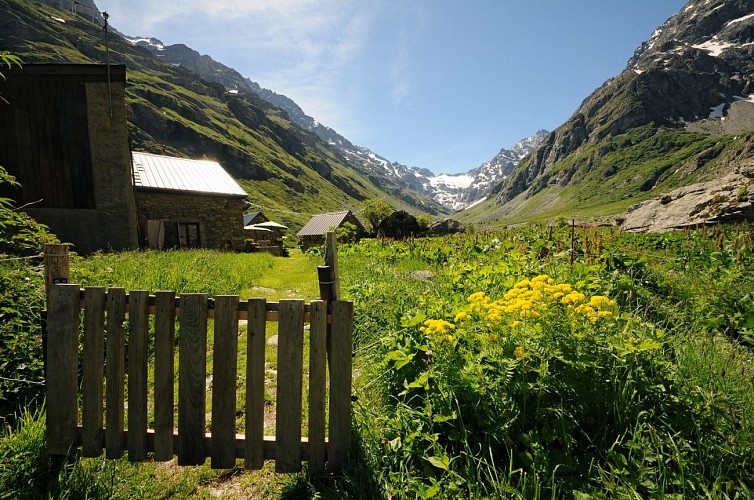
(183, 203)
(313, 233)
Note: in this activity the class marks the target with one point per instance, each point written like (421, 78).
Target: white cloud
(300, 48)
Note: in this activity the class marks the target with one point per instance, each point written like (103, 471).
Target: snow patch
(748, 99)
(58, 19)
(712, 47)
(739, 20)
(717, 111)
(461, 181)
(476, 202)
(638, 71)
(148, 41)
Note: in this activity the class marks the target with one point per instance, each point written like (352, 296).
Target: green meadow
(513, 364)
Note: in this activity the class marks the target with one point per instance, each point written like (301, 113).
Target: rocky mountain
(680, 113)
(452, 191)
(288, 171)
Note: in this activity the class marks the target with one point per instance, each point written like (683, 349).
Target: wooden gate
(115, 388)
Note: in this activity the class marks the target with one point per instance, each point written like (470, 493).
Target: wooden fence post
(255, 343)
(138, 322)
(289, 386)
(115, 369)
(224, 368)
(62, 368)
(93, 371)
(56, 265)
(164, 378)
(317, 384)
(331, 261)
(192, 378)
(340, 385)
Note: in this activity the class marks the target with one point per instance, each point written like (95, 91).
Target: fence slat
(115, 372)
(317, 384)
(192, 363)
(62, 368)
(288, 399)
(164, 353)
(93, 372)
(138, 321)
(224, 370)
(340, 385)
(255, 345)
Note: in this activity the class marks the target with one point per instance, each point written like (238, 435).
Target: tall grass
(209, 271)
(654, 399)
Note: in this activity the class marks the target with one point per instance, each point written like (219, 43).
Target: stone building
(313, 233)
(184, 203)
(63, 135)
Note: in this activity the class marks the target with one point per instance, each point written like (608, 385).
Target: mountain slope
(679, 113)
(391, 177)
(452, 191)
(286, 170)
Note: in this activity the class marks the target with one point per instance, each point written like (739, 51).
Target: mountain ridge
(455, 191)
(658, 125)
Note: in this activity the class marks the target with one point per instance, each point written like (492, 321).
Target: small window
(188, 235)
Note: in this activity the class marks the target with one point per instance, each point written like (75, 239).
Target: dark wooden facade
(63, 135)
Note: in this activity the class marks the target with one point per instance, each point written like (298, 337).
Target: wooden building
(313, 233)
(184, 203)
(64, 136)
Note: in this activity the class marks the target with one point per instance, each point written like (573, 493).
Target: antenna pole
(107, 62)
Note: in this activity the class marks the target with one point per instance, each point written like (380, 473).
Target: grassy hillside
(289, 173)
(603, 178)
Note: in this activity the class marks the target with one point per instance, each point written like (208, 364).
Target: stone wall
(220, 218)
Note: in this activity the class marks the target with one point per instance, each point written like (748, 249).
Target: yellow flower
(518, 352)
(436, 327)
(515, 323)
(460, 316)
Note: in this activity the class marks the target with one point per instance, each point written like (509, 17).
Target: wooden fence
(114, 362)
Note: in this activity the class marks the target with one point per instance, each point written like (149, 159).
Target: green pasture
(490, 365)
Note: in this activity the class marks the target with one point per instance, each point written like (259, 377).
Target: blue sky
(439, 84)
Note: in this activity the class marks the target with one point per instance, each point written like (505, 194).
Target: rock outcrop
(727, 199)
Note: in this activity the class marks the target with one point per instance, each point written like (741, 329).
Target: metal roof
(320, 224)
(181, 174)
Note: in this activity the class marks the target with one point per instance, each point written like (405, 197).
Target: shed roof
(320, 224)
(181, 174)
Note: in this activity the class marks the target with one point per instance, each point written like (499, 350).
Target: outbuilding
(313, 233)
(64, 137)
(184, 203)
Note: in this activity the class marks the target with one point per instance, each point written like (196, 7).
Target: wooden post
(164, 364)
(62, 369)
(115, 356)
(92, 380)
(56, 264)
(340, 385)
(289, 386)
(192, 378)
(224, 368)
(255, 343)
(573, 244)
(138, 322)
(331, 260)
(317, 384)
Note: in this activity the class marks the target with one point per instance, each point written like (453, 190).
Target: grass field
(488, 365)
